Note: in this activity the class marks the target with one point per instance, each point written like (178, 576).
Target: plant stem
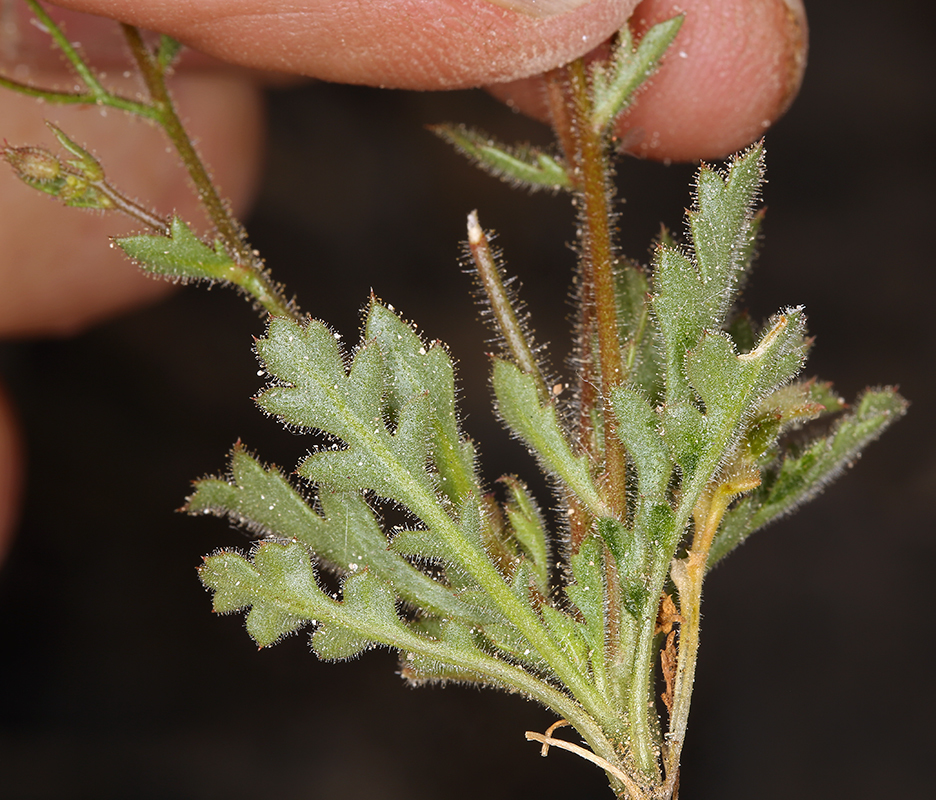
(511, 328)
(590, 163)
(688, 575)
(131, 208)
(229, 230)
(268, 294)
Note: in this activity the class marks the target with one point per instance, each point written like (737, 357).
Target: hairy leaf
(538, 426)
(640, 356)
(521, 165)
(417, 369)
(180, 255)
(588, 594)
(278, 584)
(614, 86)
(693, 291)
(312, 390)
(346, 535)
(528, 527)
(801, 476)
(731, 385)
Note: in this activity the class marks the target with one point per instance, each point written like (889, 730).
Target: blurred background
(815, 675)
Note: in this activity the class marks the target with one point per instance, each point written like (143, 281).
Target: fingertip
(730, 75)
(732, 71)
(401, 44)
(11, 473)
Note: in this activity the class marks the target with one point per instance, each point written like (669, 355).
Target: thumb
(401, 44)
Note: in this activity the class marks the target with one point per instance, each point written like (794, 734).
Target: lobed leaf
(415, 370)
(278, 585)
(181, 255)
(694, 291)
(346, 535)
(367, 617)
(312, 390)
(803, 475)
(731, 386)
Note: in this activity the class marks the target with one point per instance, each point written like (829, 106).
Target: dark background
(815, 677)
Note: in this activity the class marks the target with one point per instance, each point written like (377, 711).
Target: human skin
(734, 69)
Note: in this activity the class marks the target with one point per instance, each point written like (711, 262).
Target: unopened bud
(36, 166)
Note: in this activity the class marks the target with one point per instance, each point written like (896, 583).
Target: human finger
(11, 472)
(732, 71)
(402, 44)
(56, 275)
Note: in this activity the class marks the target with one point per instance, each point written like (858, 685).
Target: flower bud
(36, 166)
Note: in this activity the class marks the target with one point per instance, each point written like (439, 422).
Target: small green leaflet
(181, 255)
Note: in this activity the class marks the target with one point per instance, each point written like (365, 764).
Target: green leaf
(167, 52)
(684, 431)
(181, 255)
(640, 356)
(694, 291)
(732, 385)
(521, 165)
(788, 407)
(803, 475)
(278, 584)
(638, 427)
(568, 633)
(312, 390)
(629, 550)
(527, 525)
(280, 588)
(83, 164)
(346, 535)
(416, 370)
(357, 467)
(588, 595)
(367, 617)
(538, 426)
(722, 223)
(614, 86)
(456, 637)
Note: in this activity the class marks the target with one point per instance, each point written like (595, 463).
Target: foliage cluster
(688, 428)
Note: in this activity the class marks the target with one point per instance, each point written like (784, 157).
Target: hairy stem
(489, 275)
(266, 292)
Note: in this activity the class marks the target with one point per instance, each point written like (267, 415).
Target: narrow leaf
(630, 67)
(588, 594)
(526, 521)
(538, 426)
(522, 165)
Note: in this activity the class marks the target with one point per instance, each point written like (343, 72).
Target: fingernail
(540, 8)
(799, 47)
